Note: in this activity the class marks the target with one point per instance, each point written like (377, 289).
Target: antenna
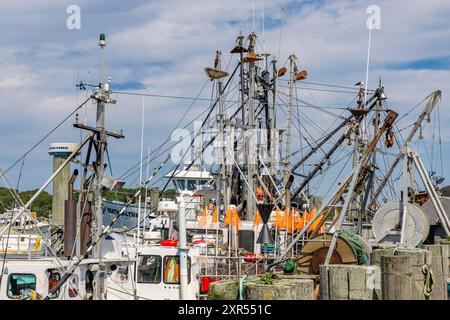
(246, 21)
(263, 30)
(253, 8)
(364, 122)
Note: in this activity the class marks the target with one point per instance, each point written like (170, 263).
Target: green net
(353, 240)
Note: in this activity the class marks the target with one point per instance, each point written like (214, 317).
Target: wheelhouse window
(19, 283)
(181, 184)
(149, 269)
(192, 185)
(204, 184)
(172, 269)
(123, 273)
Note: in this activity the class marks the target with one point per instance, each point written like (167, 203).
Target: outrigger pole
(104, 232)
(356, 116)
(46, 183)
(434, 98)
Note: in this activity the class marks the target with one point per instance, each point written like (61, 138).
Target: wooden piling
(439, 266)
(419, 258)
(375, 261)
(283, 289)
(396, 277)
(346, 282)
(375, 255)
(447, 243)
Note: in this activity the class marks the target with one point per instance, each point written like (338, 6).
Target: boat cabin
(158, 275)
(192, 179)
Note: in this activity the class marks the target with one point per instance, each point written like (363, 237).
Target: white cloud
(166, 44)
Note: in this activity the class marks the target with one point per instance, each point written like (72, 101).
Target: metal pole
(99, 278)
(343, 211)
(250, 157)
(222, 149)
(140, 172)
(287, 149)
(404, 195)
(182, 248)
(146, 189)
(433, 195)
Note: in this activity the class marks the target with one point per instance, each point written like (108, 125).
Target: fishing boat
(251, 211)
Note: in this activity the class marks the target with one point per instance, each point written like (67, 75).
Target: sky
(161, 48)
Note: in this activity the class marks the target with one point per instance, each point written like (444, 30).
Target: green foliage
(123, 194)
(42, 205)
(6, 200)
(169, 194)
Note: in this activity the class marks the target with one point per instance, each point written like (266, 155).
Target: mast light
(102, 40)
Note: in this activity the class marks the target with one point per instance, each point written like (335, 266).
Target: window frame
(119, 272)
(19, 274)
(189, 185)
(160, 269)
(57, 293)
(165, 265)
(181, 183)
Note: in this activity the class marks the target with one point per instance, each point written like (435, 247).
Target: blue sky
(162, 47)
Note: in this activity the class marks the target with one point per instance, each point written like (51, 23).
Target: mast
(99, 142)
(250, 148)
(221, 120)
(287, 148)
(273, 119)
(99, 278)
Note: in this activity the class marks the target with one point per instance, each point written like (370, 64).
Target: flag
(293, 221)
(227, 219)
(280, 219)
(257, 219)
(277, 218)
(235, 220)
(309, 217)
(302, 222)
(215, 217)
(316, 222)
(288, 218)
(202, 221)
(297, 221)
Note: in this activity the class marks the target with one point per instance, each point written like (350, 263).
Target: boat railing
(223, 266)
(21, 245)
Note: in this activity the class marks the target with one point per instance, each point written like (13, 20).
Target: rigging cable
(176, 126)
(45, 137)
(5, 253)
